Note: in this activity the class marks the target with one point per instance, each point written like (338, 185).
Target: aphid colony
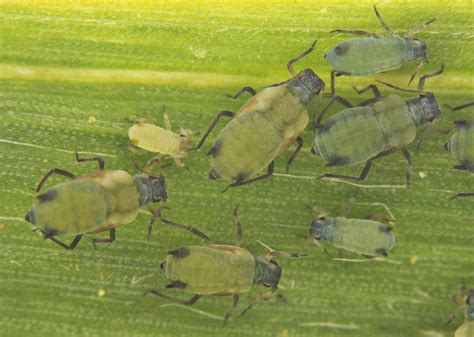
(263, 129)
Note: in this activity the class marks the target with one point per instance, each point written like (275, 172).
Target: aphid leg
(333, 85)
(189, 302)
(299, 145)
(348, 206)
(156, 161)
(372, 87)
(384, 25)
(52, 171)
(272, 253)
(99, 160)
(109, 240)
(245, 182)
(397, 88)
(462, 195)
(263, 298)
(419, 28)
(417, 71)
(178, 162)
(248, 89)
(361, 177)
(409, 160)
(223, 113)
(278, 84)
(421, 83)
(459, 107)
(333, 99)
(376, 216)
(355, 31)
(313, 241)
(238, 225)
(70, 246)
(187, 228)
(231, 308)
(299, 57)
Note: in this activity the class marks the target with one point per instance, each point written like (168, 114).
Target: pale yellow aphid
(153, 138)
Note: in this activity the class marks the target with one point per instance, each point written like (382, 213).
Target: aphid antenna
(273, 252)
(419, 28)
(313, 241)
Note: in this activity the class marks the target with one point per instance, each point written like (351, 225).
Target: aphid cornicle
(375, 128)
(362, 236)
(461, 145)
(221, 270)
(153, 138)
(464, 298)
(92, 203)
(376, 53)
(264, 127)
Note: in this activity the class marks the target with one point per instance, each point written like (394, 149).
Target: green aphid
(464, 298)
(362, 236)
(375, 128)
(376, 53)
(461, 144)
(92, 203)
(220, 270)
(264, 128)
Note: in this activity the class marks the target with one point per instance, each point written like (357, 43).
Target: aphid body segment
(92, 203)
(461, 145)
(365, 237)
(155, 139)
(263, 128)
(376, 128)
(221, 270)
(375, 53)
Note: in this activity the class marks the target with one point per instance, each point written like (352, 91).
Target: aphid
(221, 270)
(362, 236)
(164, 141)
(376, 53)
(264, 127)
(375, 128)
(464, 298)
(92, 203)
(461, 145)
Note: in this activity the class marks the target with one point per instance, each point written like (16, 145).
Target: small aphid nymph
(155, 139)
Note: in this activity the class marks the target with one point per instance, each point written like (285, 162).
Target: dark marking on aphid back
(177, 284)
(342, 49)
(341, 73)
(385, 229)
(30, 217)
(381, 251)
(240, 177)
(180, 252)
(163, 265)
(337, 161)
(49, 195)
(215, 149)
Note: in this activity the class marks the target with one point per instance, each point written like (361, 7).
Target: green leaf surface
(72, 72)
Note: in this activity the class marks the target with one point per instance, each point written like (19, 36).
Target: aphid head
(425, 108)
(317, 227)
(267, 273)
(306, 84)
(152, 188)
(419, 48)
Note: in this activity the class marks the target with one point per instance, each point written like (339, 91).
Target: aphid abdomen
(465, 330)
(395, 120)
(245, 146)
(73, 207)
(154, 138)
(122, 196)
(461, 145)
(350, 137)
(216, 269)
(364, 237)
(369, 55)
